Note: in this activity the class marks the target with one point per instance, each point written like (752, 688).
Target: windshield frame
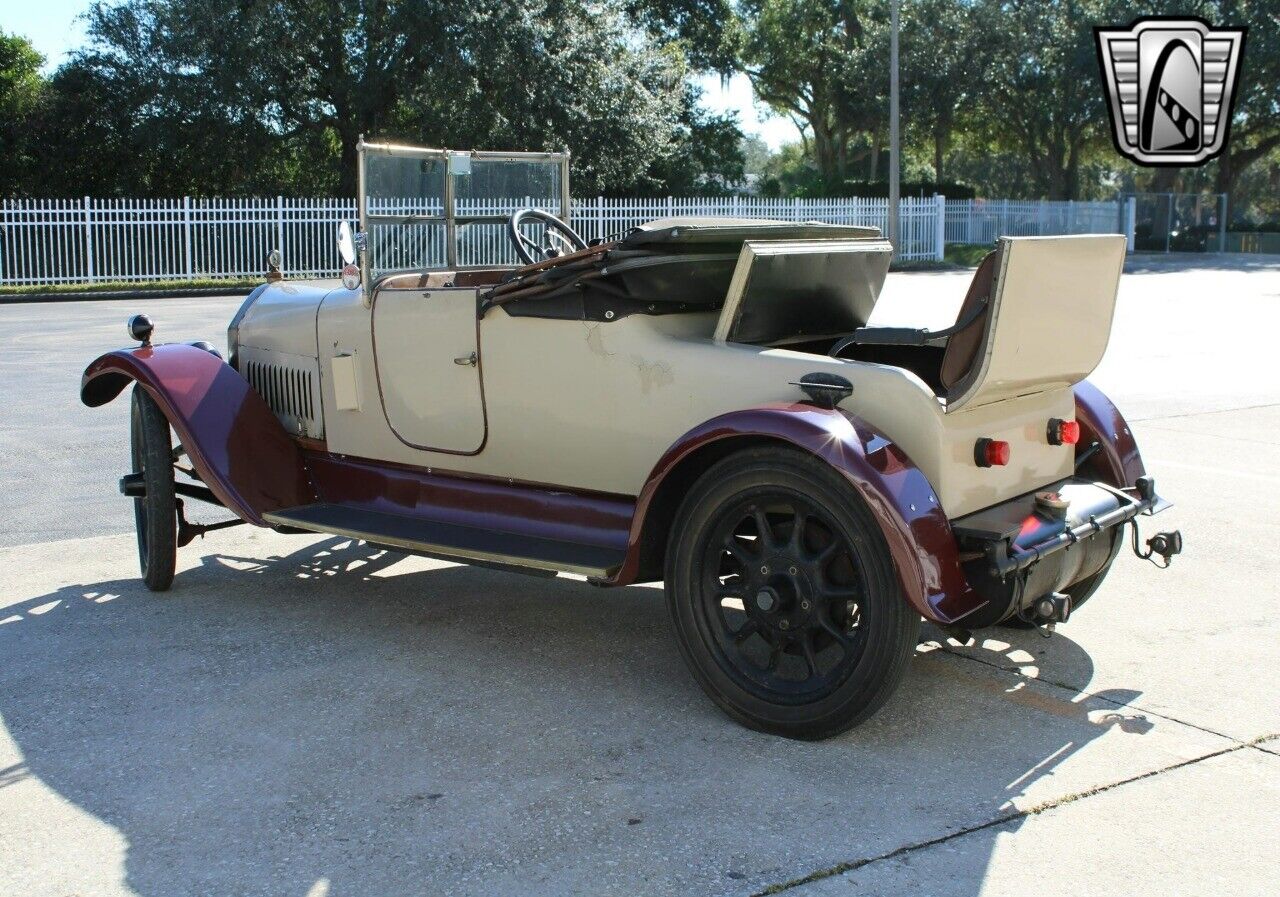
(450, 217)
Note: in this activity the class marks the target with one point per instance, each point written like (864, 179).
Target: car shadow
(337, 721)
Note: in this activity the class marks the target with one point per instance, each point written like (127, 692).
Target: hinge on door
(466, 360)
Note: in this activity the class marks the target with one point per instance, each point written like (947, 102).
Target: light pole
(894, 148)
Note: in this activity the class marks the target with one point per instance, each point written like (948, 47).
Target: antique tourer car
(698, 401)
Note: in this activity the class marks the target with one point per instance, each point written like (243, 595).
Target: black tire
(774, 540)
(155, 514)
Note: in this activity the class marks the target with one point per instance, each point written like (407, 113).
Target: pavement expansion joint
(1003, 819)
(1268, 744)
(1141, 420)
(1017, 671)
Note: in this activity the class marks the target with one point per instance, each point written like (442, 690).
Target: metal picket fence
(983, 220)
(54, 241)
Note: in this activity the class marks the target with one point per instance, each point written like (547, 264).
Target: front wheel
(155, 513)
(783, 596)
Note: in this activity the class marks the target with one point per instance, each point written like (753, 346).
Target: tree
(1044, 100)
(253, 96)
(561, 79)
(947, 50)
(1255, 126)
(791, 172)
(823, 63)
(755, 155)
(706, 30)
(21, 88)
(707, 157)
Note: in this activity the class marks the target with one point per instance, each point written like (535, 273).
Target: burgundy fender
(904, 504)
(232, 437)
(1101, 422)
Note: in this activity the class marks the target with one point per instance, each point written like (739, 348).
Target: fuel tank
(1021, 527)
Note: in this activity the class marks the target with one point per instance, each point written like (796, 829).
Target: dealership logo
(1171, 83)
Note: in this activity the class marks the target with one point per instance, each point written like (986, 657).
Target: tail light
(991, 452)
(1063, 432)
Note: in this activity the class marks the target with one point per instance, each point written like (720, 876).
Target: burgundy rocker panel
(533, 509)
(1102, 422)
(923, 548)
(230, 434)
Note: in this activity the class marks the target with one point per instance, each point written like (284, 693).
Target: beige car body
(593, 405)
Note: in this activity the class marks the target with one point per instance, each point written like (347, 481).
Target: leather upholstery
(962, 347)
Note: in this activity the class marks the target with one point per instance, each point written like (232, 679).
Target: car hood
(281, 317)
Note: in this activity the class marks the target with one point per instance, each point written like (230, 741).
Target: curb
(89, 296)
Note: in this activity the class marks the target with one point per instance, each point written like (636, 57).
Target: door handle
(466, 360)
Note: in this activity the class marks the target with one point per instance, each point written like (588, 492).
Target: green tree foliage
(822, 63)
(259, 96)
(265, 96)
(706, 30)
(947, 51)
(21, 91)
(708, 155)
(791, 172)
(1045, 101)
(1255, 128)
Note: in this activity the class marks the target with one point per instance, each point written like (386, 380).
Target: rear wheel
(783, 596)
(155, 514)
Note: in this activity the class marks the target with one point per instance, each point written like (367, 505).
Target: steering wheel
(558, 238)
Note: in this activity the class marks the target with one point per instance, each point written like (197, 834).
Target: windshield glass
(508, 179)
(426, 209)
(404, 211)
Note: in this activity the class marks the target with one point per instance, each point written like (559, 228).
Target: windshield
(423, 208)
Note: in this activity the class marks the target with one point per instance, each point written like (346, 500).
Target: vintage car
(698, 401)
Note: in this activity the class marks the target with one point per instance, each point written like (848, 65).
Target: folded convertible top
(668, 265)
(674, 232)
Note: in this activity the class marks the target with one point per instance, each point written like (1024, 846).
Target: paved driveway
(307, 716)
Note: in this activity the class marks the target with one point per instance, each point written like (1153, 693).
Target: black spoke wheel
(783, 595)
(155, 514)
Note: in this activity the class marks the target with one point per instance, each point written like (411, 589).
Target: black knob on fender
(140, 328)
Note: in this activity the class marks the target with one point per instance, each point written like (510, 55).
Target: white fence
(982, 220)
(134, 240)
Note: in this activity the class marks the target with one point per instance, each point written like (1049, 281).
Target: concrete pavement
(307, 716)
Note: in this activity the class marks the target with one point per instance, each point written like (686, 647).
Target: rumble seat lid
(1049, 317)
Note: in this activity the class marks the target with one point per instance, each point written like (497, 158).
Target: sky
(50, 25)
(739, 97)
(53, 28)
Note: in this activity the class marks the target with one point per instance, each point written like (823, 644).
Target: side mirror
(346, 243)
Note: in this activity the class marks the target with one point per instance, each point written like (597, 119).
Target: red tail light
(991, 452)
(1064, 432)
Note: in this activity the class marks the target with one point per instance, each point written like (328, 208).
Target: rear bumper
(1046, 541)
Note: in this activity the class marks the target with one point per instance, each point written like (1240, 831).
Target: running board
(450, 541)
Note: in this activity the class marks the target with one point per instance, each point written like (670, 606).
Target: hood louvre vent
(289, 386)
